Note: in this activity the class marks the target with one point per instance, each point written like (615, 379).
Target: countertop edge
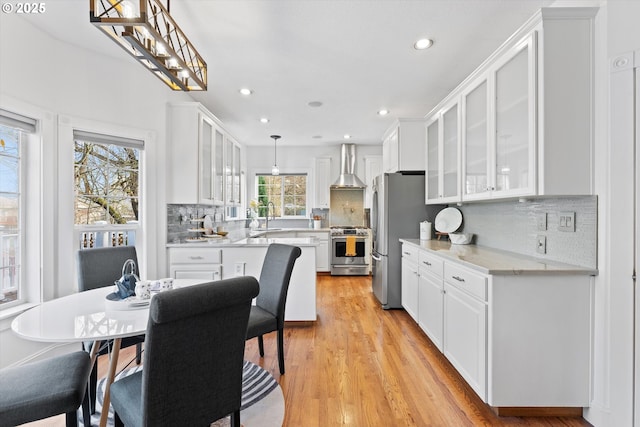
(550, 267)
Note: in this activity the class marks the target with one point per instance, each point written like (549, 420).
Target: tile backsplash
(513, 226)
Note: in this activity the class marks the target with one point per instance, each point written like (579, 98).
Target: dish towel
(351, 246)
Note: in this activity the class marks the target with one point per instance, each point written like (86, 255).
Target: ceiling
(353, 56)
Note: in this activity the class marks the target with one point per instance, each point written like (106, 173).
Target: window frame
(282, 175)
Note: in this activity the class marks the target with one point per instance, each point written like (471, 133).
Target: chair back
(103, 266)
(194, 352)
(274, 278)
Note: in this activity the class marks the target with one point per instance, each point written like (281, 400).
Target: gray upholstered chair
(44, 389)
(268, 313)
(194, 351)
(98, 268)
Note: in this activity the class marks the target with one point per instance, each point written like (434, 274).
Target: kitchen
(141, 102)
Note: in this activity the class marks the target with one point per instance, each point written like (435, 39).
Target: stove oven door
(343, 263)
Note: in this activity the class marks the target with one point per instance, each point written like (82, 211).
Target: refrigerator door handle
(376, 257)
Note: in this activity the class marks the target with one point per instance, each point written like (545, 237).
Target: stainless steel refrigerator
(397, 209)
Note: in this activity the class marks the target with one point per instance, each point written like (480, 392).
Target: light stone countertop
(495, 261)
(253, 239)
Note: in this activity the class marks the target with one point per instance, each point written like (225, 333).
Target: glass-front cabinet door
(432, 187)
(218, 169)
(475, 142)
(514, 156)
(205, 137)
(450, 153)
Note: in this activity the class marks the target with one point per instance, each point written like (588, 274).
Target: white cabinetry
(526, 114)
(431, 298)
(192, 151)
(519, 340)
(409, 280)
(443, 154)
(323, 182)
(372, 168)
(195, 263)
(465, 326)
(322, 250)
(403, 146)
(232, 178)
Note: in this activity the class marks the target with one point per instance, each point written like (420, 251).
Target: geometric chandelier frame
(147, 32)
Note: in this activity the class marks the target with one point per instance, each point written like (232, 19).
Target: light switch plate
(239, 269)
(567, 221)
(541, 221)
(541, 244)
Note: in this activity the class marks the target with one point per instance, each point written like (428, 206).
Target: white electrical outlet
(541, 244)
(567, 221)
(240, 269)
(541, 221)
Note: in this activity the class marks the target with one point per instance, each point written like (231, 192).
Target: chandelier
(147, 32)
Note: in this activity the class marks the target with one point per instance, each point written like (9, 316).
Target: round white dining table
(87, 316)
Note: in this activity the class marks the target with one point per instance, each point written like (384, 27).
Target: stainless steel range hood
(348, 178)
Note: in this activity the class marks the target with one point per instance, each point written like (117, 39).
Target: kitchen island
(516, 328)
(224, 258)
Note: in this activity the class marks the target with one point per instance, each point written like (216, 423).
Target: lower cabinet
(322, 251)
(195, 263)
(519, 340)
(465, 337)
(409, 281)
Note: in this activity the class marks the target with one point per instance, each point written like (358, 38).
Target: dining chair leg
(235, 419)
(91, 389)
(117, 422)
(71, 419)
(86, 410)
(261, 345)
(281, 350)
(138, 353)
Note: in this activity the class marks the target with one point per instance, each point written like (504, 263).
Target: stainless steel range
(349, 251)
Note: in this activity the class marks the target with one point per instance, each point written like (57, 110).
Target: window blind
(98, 138)
(14, 120)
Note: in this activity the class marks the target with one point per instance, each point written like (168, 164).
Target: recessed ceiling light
(423, 44)
(317, 137)
(264, 120)
(246, 92)
(347, 136)
(383, 112)
(315, 104)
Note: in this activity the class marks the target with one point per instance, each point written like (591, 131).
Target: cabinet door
(237, 172)
(322, 256)
(206, 137)
(372, 168)
(450, 153)
(433, 161)
(431, 304)
(218, 168)
(228, 171)
(465, 337)
(323, 182)
(390, 152)
(410, 288)
(475, 143)
(514, 159)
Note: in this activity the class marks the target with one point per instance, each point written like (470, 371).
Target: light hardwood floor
(361, 366)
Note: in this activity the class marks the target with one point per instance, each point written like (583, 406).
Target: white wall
(37, 72)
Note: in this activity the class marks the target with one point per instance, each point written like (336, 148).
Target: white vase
(254, 224)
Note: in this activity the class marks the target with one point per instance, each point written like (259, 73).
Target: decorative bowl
(460, 238)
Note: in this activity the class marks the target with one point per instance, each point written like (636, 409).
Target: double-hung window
(288, 193)
(107, 189)
(16, 133)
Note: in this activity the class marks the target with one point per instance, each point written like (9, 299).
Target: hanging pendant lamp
(274, 169)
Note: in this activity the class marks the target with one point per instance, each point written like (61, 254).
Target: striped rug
(262, 399)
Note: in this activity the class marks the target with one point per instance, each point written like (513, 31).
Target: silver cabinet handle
(427, 263)
(196, 257)
(406, 253)
(459, 279)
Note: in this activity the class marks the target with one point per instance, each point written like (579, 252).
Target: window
(106, 173)
(287, 192)
(14, 132)
(107, 189)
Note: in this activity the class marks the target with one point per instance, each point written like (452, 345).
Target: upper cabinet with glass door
(526, 113)
(233, 179)
(442, 177)
(193, 148)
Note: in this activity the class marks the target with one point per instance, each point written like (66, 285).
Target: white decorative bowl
(460, 238)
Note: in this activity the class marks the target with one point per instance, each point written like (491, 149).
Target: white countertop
(248, 242)
(495, 261)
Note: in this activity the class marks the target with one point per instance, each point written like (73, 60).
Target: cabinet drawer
(431, 264)
(195, 256)
(322, 235)
(461, 278)
(410, 253)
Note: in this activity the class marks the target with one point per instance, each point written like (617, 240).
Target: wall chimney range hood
(348, 178)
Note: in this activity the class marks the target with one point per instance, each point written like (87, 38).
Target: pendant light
(274, 169)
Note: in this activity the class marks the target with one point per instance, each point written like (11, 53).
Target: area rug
(262, 399)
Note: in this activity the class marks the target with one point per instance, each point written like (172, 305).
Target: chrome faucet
(269, 206)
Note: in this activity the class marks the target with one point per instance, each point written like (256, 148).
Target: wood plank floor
(362, 366)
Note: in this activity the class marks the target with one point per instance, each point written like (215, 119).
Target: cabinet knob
(459, 279)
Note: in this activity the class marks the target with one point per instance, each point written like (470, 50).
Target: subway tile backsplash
(513, 226)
